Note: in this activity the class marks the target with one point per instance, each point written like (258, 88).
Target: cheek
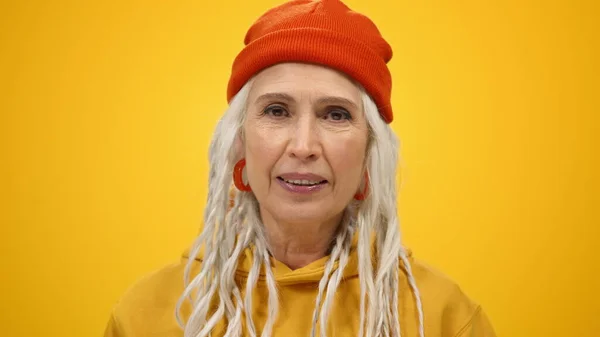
(262, 152)
(346, 159)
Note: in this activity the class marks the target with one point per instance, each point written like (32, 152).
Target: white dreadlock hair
(229, 230)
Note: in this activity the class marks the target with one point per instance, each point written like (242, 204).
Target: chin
(299, 212)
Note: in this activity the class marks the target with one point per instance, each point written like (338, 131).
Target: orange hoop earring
(363, 194)
(237, 176)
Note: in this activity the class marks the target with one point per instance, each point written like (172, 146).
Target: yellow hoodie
(148, 308)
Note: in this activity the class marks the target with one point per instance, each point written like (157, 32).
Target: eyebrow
(327, 100)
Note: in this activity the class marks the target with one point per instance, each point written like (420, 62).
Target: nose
(304, 141)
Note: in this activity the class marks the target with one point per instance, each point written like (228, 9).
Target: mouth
(302, 182)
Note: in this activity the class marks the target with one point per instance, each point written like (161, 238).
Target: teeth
(303, 182)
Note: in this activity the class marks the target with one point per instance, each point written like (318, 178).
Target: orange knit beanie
(324, 32)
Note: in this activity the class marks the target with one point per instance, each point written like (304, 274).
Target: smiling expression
(305, 139)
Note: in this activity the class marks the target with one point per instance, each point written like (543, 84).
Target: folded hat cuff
(318, 46)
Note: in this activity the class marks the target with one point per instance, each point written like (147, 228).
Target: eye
(338, 114)
(275, 111)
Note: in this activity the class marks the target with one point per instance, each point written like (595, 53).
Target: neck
(299, 244)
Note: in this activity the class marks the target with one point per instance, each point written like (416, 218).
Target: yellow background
(107, 108)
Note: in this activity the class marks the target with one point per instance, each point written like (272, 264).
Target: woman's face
(305, 139)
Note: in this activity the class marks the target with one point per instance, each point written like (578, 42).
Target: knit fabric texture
(324, 32)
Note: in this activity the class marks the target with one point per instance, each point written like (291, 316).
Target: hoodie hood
(284, 275)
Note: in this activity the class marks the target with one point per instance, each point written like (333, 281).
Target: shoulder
(154, 289)
(148, 307)
(447, 309)
(437, 289)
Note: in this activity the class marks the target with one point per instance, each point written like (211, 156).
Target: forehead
(304, 79)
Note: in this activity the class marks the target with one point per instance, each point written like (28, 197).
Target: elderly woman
(308, 241)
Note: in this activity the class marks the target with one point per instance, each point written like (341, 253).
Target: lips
(302, 182)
